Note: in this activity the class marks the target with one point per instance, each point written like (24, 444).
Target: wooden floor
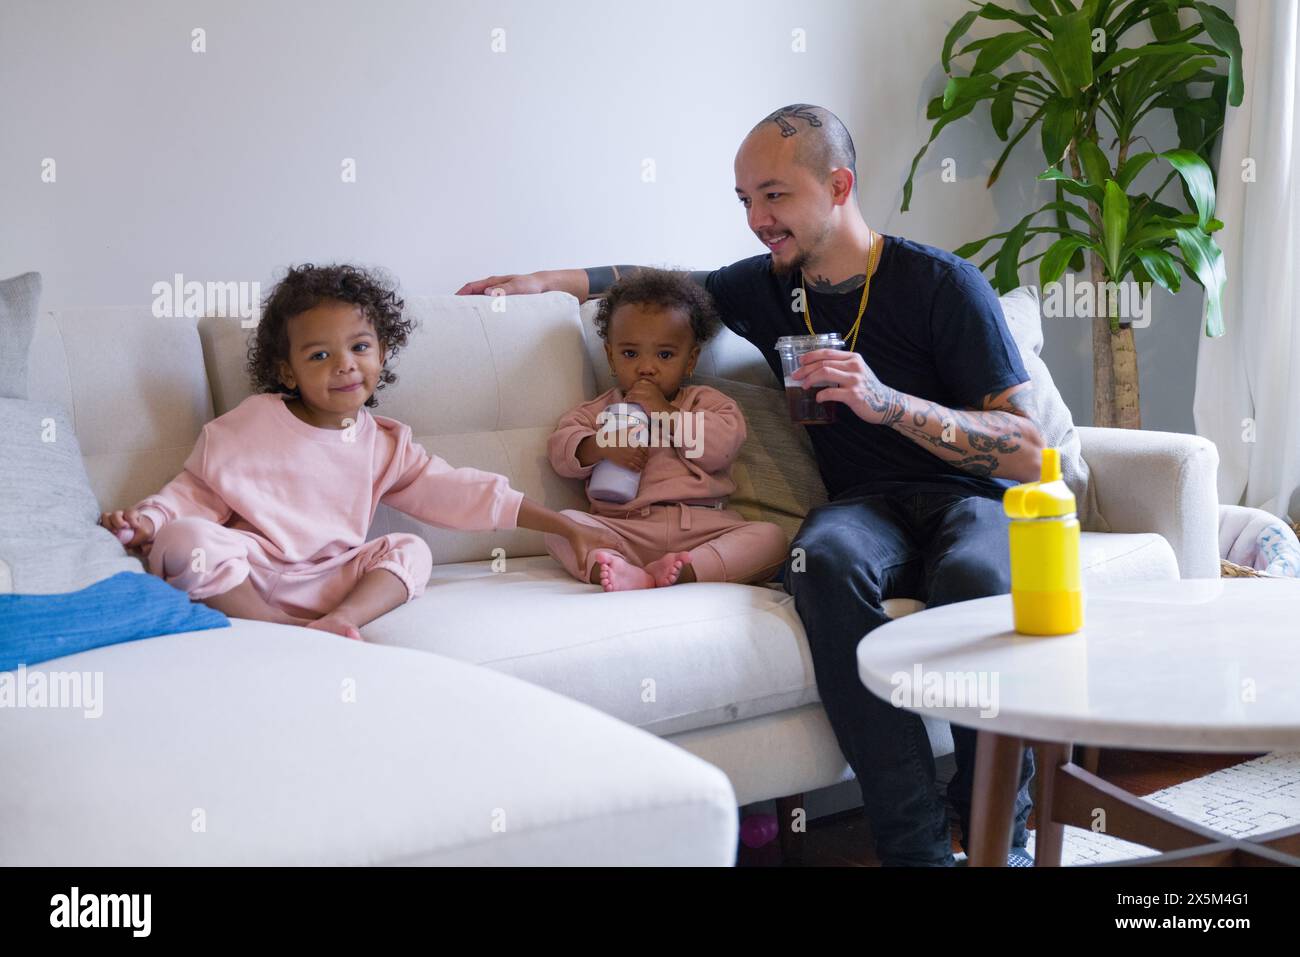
(844, 840)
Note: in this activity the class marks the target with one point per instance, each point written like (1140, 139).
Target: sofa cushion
(518, 454)
(134, 389)
(776, 475)
(1111, 558)
(709, 653)
(467, 368)
(264, 744)
(52, 542)
(20, 299)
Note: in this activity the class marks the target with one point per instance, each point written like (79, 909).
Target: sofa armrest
(1163, 482)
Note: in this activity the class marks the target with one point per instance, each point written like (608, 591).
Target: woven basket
(1229, 569)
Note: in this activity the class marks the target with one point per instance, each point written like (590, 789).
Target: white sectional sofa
(508, 690)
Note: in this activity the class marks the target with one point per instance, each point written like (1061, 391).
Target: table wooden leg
(997, 775)
(1049, 838)
(1090, 759)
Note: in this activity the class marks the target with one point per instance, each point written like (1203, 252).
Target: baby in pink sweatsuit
(677, 528)
(269, 518)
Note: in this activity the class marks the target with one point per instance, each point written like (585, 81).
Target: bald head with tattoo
(796, 176)
(821, 142)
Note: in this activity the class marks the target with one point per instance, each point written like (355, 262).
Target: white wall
(225, 165)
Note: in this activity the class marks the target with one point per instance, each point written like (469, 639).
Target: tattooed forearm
(889, 403)
(981, 465)
(1016, 402)
(1001, 441)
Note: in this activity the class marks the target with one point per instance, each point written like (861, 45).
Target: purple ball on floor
(757, 830)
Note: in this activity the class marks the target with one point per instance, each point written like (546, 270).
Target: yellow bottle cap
(1047, 498)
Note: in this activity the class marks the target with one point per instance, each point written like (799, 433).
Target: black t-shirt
(933, 329)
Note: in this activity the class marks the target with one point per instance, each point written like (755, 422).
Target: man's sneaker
(1018, 857)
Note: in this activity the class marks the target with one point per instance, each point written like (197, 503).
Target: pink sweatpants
(723, 546)
(204, 559)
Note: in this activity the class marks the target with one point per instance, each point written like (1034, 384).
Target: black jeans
(926, 542)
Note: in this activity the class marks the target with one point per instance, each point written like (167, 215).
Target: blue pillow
(124, 607)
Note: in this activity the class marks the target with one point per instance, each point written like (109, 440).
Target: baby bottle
(620, 423)
(1046, 586)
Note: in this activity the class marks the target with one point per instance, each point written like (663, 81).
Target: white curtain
(1248, 380)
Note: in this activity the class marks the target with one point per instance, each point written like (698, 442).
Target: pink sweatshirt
(670, 475)
(311, 494)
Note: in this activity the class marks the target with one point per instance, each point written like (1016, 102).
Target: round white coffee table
(1190, 665)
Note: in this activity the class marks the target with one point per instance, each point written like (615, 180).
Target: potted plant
(1085, 92)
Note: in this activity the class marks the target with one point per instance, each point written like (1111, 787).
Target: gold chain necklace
(873, 260)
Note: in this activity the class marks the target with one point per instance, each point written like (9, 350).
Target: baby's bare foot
(618, 574)
(337, 625)
(668, 568)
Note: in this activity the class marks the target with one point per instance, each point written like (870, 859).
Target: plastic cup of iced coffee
(803, 404)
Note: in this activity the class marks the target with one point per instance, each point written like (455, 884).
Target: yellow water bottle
(1046, 584)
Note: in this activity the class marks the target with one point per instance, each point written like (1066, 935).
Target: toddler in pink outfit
(677, 528)
(269, 518)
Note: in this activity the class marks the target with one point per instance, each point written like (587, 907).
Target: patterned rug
(1258, 796)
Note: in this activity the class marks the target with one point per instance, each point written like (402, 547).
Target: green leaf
(1114, 225)
(1224, 34)
(1002, 111)
(1097, 10)
(1072, 48)
(956, 33)
(961, 89)
(1206, 259)
(1059, 124)
(967, 250)
(1007, 276)
(1063, 223)
(991, 11)
(1002, 48)
(1164, 23)
(971, 248)
(1120, 57)
(1095, 164)
(1184, 71)
(1132, 166)
(1200, 181)
(975, 46)
(1160, 266)
(1130, 16)
(997, 167)
(953, 114)
(1093, 194)
(1058, 256)
(934, 109)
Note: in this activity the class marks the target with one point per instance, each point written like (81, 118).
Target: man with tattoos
(915, 476)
